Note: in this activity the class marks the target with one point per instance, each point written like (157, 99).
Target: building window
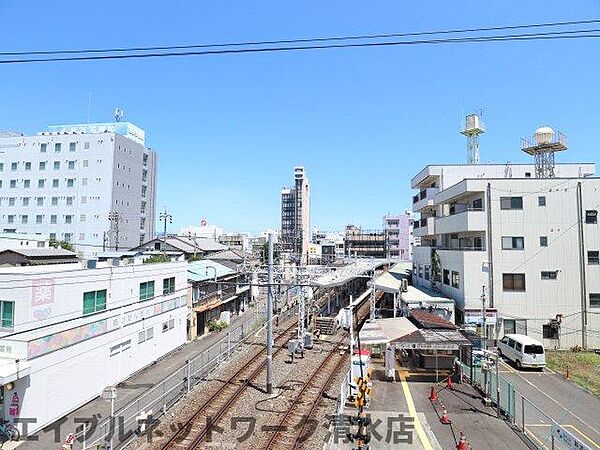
(11, 201)
(40, 201)
(446, 276)
(168, 285)
(427, 269)
(56, 165)
(25, 201)
(513, 243)
(53, 218)
(550, 331)
(591, 216)
(24, 218)
(146, 290)
(82, 217)
(595, 300)
(84, 181)
(509, 326)
(86, 145)
(68, 219)
(41, 183)
(13, 183)
(81, 237)
(71, 165)
(42, 165)
(549, 275)
(43, 148)
(541, 201)
(57, 147)
(511, 202)
(67, 237)
(513, 282)
(455, 280)
(38, 218)
(543, 241)
(69, 201)
(54, 201)
(13, 167)
(71, 146)
(70, 182)
(1, 167)
(7, 314)
(94, 301)
(593, 257)
(86, 163)
(26, 184)
(55, 183)
(28, 165)
(11, 218)
(169, 325)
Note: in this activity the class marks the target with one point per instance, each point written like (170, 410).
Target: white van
(522, 350)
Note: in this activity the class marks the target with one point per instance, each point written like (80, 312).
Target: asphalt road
(549, 397)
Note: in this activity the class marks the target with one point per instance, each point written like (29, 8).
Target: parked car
(523, 351)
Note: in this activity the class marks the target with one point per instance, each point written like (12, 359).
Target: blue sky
(229, 129)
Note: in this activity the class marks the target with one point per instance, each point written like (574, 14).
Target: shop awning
(383, 331)
(429, 339)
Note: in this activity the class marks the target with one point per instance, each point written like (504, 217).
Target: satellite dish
(118, 114)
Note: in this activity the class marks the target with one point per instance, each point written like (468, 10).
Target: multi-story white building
(67, 332)
(399, 241)
(69, 181)
(15, 241)
(530, 244)
(295, 216)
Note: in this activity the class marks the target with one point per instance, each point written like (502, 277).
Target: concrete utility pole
(270, 319)
(164, 216)
(483, 330)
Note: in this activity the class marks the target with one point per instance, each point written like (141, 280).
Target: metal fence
(157, 400)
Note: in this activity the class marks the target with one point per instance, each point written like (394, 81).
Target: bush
(216, 325)
(157, 259)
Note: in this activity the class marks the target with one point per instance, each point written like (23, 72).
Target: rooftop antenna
(119, 114)
(474, 126)
(544, 144)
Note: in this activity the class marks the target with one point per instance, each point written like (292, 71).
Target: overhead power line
(554, 35)
(303, 40)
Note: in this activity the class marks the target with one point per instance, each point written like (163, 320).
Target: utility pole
(164, 216)
(114, 218)
(483, 330)
(270, 319)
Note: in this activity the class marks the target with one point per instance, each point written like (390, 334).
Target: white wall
(69, 376)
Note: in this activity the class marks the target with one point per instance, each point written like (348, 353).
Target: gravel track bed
(265, 410)
(183, 410)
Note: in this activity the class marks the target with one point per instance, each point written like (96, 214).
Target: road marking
(536, 438)
(572, 427)
(413, 412)
(585, 436)
(561, 406)
(549, 370)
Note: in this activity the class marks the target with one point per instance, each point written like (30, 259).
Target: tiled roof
(42, 252)
(431, 320)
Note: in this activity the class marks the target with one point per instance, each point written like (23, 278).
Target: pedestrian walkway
(98, 410)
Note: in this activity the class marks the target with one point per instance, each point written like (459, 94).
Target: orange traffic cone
(462, 443)
(449, 383)
(445, 419)
(433, 395)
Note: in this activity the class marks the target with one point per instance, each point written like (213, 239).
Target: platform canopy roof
(347, 273)
(384, 331)
(391, 281)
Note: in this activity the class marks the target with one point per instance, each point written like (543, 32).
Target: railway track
(290, 432)
(196, 428)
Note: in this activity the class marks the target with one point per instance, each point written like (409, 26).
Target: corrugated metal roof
(203, 270)
(41, 252)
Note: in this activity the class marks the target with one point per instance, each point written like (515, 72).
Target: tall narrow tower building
(295, 216)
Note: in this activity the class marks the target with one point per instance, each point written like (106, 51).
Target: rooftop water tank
(543, 135)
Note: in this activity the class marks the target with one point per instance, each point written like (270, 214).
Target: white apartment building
(15, 241)
(68, 181)
(531, 244)
(67, 332)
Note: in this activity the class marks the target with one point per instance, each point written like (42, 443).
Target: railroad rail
(197, 427)
(292, 427)
(291, 430)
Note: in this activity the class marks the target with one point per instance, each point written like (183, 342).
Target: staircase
(325, 325)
